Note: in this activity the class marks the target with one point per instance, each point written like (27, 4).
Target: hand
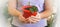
(22, 19)
(35, 19)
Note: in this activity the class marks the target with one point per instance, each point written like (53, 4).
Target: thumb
(38, 15)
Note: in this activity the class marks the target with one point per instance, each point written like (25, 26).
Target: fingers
(34, 17)
(34, 20)
(23, 20)
(37, 17)
(31, 19)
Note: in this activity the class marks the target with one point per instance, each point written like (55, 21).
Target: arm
(46, 13)
(12, 8)
(48, 9)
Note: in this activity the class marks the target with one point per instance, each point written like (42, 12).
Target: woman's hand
(35, 19)
(22, 19)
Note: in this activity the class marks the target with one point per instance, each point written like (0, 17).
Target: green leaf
(34, 9)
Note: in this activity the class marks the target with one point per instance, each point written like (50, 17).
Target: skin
(46, 13)
(12, 11)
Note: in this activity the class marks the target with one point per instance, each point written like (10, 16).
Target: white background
(3, 22)
(2, 19)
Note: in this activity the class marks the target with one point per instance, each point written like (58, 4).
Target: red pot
(34, 14)
(26, 13)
